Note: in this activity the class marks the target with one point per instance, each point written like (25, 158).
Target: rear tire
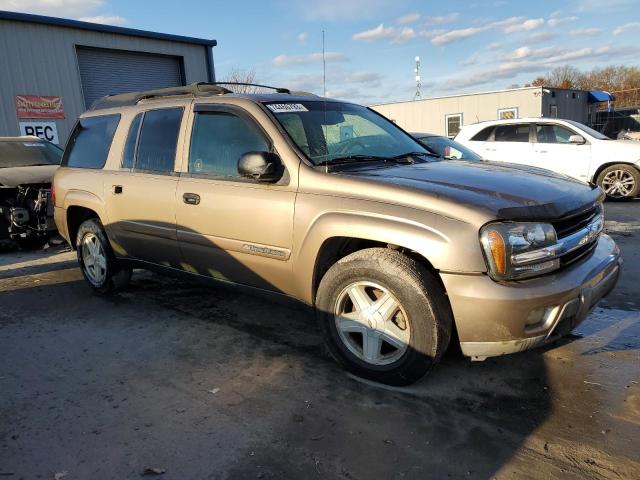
(621, 182)
(98, 263)
(385, 317)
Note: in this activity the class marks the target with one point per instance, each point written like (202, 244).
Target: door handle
(191, 198)
(541, 151)
(117, 189)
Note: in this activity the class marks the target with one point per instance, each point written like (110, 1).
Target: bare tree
(238, 75)
(564, 77)
(620, 80)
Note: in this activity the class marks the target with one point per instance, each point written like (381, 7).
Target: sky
(371, 45)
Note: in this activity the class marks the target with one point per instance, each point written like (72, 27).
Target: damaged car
(27, 165)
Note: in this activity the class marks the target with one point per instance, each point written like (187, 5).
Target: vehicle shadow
(285, 410)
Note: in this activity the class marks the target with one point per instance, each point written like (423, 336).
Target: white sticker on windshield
(286, 107)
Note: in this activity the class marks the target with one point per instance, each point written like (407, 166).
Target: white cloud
(396, 35)
(493, 46)
(105, 19)
(84, 10)
(284, 60)
(60, 8)
(455, 35)
(585, 32)
(376, 33)
(556, 20)
(508, 25)
(527, 25)
(442, 19)
(406, 34)
(407, 19)
(302, 37)
(537, 61)
(627, 26)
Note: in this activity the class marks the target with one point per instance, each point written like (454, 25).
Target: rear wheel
(97, 261)
(385, 316)
(620, 182)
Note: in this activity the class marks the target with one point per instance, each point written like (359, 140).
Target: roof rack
(242, 84)
(200, 89)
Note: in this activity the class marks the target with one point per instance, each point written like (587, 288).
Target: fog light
(540, 316)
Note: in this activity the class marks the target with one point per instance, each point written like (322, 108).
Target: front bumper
(491, 317)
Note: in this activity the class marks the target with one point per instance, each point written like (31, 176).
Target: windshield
(448, 149)
(588, 130)
(28, 153)
(342, 131)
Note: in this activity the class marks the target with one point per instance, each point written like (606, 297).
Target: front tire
(620, 182)
(99, 265)
(385, 317)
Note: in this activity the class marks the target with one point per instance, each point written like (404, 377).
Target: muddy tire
(98, 264)
(385, 317)
(620, 182)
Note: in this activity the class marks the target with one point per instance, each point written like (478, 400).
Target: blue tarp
(596, 96)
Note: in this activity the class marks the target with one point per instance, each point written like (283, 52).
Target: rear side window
(89, 144)
(483, 135)
(512, 133)
(158, 140)
(128, 158)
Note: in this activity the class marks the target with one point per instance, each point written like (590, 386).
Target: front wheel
(97, 261)
(620, 182)
(385, 317)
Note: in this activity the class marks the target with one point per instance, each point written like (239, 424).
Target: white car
(563, 146)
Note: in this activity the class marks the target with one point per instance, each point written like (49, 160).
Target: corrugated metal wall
(429, 115)
(38, 59)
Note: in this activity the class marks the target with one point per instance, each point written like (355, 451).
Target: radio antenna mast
(418, 95)
(324, 98)
(324, 70)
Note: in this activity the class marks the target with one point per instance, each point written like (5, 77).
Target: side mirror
(577, 139)
(261, 166)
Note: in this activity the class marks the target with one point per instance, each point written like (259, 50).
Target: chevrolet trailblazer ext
(332, 204)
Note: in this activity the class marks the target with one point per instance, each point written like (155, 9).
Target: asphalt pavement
(179, 381)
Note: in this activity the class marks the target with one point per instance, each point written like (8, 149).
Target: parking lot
(170, 376)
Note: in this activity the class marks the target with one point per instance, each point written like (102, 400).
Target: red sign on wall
(39, 106)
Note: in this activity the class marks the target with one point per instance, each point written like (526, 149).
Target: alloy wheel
(94, 259)
(372, 323)
(618, 183)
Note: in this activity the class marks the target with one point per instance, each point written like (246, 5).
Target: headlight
(519, 250)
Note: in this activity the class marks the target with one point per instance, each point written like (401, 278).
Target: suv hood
(508, 191)
(14, 176)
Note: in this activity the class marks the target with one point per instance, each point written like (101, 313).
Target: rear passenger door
(141, 196)
(509, 143)
(230, 227)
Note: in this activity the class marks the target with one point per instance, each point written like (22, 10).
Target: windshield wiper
(407, 156)
(352, 159)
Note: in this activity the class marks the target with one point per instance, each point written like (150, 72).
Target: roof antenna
(324, 97)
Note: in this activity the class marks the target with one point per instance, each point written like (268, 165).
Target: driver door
(229, 227)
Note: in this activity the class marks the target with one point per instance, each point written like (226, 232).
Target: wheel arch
(333, 235)
(604, 166)
(76, 215)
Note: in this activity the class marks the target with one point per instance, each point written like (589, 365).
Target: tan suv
(330, 203)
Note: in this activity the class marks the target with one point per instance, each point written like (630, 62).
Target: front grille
(578, 254)
(568, 225)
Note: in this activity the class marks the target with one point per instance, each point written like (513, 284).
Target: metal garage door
(107, 72)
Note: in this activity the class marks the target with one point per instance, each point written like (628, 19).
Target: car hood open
(14, 176)
(509, 191)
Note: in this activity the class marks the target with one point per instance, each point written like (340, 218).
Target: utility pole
(418, 95)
